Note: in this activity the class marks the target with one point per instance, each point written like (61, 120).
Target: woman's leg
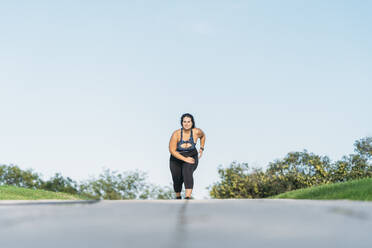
(187, 172)
(176, 170)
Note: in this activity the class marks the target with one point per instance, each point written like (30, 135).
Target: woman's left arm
(202, 141)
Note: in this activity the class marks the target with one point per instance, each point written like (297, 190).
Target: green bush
(363, 147)
(112, 185)
(58, 183)
(300, 170)
(13, 175)
(295, 171)
(109, 185)
(241, 181)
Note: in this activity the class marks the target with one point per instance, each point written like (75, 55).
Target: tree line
(295, 171)
(110, 185)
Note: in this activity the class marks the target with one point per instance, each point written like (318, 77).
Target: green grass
(353, 190)
(17, 193)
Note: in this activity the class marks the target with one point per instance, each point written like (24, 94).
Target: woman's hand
(200, 153)
(190, 160)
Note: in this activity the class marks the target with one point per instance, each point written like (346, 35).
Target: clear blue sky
(92, 84)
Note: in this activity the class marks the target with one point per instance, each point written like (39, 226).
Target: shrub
(13, 175)
(295, 171)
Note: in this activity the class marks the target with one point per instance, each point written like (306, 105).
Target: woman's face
(186, 123)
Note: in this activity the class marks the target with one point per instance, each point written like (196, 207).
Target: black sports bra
(191, 140)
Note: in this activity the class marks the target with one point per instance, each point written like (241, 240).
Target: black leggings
(182, 171)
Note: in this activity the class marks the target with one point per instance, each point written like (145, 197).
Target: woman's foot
(187, 197)
(178, 197)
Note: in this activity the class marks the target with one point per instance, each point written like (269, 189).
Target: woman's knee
(189, 183)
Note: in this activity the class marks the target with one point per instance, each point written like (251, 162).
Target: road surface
(185, 223)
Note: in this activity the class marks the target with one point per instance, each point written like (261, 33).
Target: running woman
(184, 155)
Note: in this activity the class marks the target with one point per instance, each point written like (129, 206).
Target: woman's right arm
(173, 147)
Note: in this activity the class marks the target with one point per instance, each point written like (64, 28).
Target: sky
(87, 85)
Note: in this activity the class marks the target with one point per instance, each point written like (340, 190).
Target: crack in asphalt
(179, 238)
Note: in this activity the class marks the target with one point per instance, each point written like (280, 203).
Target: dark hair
(188, 115)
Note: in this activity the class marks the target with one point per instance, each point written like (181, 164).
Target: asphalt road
(185, 223)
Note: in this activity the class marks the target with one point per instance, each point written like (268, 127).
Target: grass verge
(17, 193)
(353, 190)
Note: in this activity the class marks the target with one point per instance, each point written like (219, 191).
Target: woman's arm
(201, 135)
(202, 138)
(173, 147)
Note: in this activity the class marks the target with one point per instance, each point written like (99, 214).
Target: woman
(184, 156)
